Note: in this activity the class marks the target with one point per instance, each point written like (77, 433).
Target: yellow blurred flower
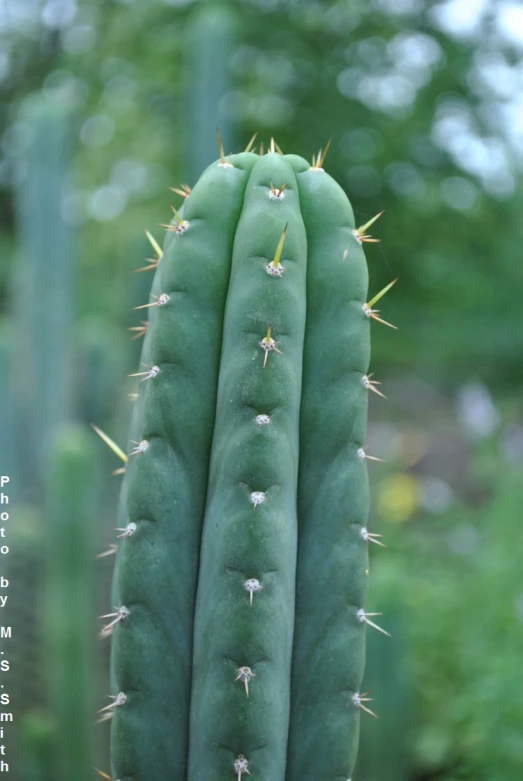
(398, 497)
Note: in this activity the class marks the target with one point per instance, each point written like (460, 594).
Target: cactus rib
(328, 654)
(250, 526)
(163, 497)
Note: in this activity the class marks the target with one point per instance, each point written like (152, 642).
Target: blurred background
(104, 105)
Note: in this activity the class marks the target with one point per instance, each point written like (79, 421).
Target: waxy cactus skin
(242, 561)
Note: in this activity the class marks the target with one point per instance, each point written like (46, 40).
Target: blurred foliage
(422, 100)
(456, 578)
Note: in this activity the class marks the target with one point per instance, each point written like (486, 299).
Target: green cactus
(6, 423)
(43, 290)
(242, 565)
(69, 611)
(210, 38)
(37, 741)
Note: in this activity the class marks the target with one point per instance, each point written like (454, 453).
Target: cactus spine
(243, 560)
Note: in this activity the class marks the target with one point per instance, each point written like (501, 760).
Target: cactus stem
(360, 233)
(317, 162)
(362, 454)
(251, 142)
(370, 312)
(371, 537)
(364, 618)
(262, 420)
(371, 385)
(345, 253)
(161, 300)
(128, 530)
(153, 371)
(241, 766)
(141, 330)
(121, 614)
(141, 447)
(268, 344)
(277, 193)
(108, 441)
(252, 585)
(245, 674)
(184, 190)
(109, 552)
(275, 268)
(223, 163)
(359, 699)
(257, 497)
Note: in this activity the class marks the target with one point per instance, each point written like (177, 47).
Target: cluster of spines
(275, 268)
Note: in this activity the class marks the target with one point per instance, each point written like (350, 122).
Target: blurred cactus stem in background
(6, 420)
(43, 289)
(210, 40)
(69, 603)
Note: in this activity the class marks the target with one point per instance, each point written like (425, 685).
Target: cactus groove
(238, 639)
